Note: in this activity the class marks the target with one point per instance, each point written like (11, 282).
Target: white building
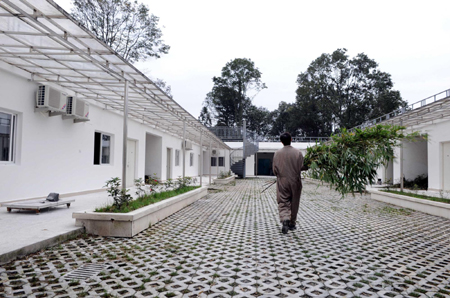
(429, 157)
(134, 129)
(260, 163)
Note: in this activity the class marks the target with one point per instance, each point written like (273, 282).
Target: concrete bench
(36, 205)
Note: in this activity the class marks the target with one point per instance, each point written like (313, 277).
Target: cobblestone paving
(230, 245)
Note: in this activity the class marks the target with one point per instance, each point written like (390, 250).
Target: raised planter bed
(224, 180)
(131, 223)
(426, 206)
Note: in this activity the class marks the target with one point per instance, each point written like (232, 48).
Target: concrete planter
(429, 207)
(224, 180)
(131, 223)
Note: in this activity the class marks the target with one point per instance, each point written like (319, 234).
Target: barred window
(7, 136)
(177, 157)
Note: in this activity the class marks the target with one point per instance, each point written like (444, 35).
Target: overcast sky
(409, 39)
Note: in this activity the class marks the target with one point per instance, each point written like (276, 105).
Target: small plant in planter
(224, 175)
(120, 196)
(152, 183)
(157, 191)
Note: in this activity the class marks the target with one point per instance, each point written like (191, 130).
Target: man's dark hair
(286, 138)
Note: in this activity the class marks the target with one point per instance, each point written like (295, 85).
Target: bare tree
(126, 26)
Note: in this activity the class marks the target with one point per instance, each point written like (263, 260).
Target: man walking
(287, 166)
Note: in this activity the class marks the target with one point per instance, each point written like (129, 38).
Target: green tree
(230, 96)
(281, 120)
(125, 26)
(257, 120)
(337, 92)
(205, 117)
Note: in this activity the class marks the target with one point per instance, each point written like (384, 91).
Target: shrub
(120, 196)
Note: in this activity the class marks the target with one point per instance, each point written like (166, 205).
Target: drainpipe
(184, 148)
(125, 135)
(201, 158)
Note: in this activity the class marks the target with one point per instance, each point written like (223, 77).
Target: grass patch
(146, 200)
(424, 197)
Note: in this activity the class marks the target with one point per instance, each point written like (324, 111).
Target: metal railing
(235, 133)
(299, 139)
(421, 103)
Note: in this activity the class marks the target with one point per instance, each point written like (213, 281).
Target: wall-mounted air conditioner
(76, 109)
(49, 99)
(188, 145)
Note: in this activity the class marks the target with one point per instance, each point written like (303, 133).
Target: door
(131, 162)
(169, 164)
(446, 164)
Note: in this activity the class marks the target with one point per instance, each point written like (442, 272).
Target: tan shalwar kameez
(287, 165)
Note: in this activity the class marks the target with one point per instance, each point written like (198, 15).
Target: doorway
(169, 164)
(131, 162)
(153, 156)
(446, 166)
(264, 164)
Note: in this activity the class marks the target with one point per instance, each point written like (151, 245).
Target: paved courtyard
(230, 245)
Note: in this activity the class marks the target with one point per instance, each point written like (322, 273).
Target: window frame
(191, 159)
(12, 138)
(100, 150)
(221, 158)
(213, 161)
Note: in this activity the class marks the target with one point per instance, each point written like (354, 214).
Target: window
(213, 161)
(7, 136)
(102, 149)
(221, 161)
(177, 158)
(191, 160)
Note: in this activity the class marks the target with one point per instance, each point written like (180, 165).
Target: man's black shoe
(285, 227)
(291, 228)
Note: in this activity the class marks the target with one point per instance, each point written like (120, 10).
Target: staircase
(238, 156)
(250, 142)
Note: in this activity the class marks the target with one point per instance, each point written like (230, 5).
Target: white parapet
(134, 222)
(224, 180)
(426, 206)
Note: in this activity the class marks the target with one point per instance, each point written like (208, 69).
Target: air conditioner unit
(77, 109)
(214, 151)
(49, 99)
(188, 145)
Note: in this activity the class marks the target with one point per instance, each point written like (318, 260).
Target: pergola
(49, 46)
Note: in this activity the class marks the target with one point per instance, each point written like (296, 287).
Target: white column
(201, 157)
(125, 135)
(184, 148)
(401, 160)
(210, 157)
(243, 145)
(217, 164)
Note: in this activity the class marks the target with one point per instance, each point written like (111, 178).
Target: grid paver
(229, 245)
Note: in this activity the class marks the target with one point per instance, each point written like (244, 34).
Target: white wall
(437, 135)
(250, 166)
(415, 157)
(56, 155)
